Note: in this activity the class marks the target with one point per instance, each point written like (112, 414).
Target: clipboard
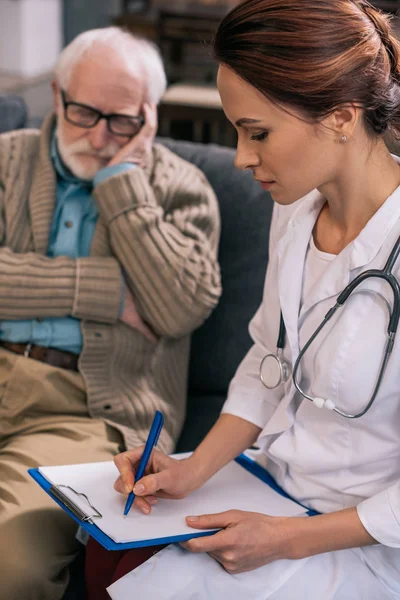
(87, 517)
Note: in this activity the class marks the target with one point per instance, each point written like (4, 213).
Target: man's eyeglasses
(86, 116)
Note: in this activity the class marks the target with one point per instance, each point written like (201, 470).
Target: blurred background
(32, 33)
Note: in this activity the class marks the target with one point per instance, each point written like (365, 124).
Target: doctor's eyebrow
(246, 121)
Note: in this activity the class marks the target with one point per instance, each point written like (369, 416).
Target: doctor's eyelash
(258, 137)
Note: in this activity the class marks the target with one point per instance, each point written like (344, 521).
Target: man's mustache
(84, 147)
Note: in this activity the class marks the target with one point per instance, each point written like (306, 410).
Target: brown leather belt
(50, 356)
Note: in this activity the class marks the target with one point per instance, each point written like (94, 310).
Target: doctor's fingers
(127, 463)
(226, 547)
(221, 541)
(234, 564)
(170, 478)
(162, 484)
(142, 504)
(214, 521)
(216, 544)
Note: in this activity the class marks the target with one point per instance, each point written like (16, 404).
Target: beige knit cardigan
(159, 226)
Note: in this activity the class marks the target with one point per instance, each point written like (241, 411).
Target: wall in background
(80, 15)
(30, 35)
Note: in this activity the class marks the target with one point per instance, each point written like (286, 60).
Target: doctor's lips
(266, 185)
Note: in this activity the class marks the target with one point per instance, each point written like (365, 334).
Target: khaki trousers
(43, 421)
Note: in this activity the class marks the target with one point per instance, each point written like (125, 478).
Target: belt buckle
(27, 350)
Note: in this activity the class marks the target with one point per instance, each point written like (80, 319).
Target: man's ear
(56, 96)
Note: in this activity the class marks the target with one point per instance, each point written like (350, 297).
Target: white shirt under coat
(322, 459)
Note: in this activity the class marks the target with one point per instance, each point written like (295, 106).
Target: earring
(344, 139)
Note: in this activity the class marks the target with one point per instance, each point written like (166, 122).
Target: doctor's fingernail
(128, 488)
(192, 519)
(138, 489)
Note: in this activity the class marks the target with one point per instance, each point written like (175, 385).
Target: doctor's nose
(246, 158)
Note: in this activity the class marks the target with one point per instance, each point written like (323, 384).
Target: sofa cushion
(13, 113)
(203, 411)
(222, 341)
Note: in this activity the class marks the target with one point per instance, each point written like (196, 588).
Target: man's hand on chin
(139, 147)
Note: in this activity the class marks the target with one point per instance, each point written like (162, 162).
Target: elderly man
(107, 263)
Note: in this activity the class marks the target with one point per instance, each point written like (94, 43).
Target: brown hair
(316, 55)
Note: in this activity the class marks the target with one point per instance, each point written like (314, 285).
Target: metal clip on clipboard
(76, 510)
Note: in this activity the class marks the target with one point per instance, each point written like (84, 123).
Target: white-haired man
(107, 263)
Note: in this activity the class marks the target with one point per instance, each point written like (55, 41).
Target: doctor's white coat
(323, 460)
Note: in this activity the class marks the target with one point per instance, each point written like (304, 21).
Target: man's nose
(99, 135)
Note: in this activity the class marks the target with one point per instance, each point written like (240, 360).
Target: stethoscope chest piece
(274, 371)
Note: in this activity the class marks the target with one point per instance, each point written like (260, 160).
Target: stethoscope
(275, 369)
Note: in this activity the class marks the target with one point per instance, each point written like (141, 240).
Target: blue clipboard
(88, 524)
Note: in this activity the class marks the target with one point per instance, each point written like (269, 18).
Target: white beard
(84, 167)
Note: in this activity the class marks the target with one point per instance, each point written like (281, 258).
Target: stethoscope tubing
(394, 316)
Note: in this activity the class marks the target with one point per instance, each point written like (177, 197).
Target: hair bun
(316, 56)
(381, 22)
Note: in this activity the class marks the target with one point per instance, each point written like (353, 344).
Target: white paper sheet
(233, 487)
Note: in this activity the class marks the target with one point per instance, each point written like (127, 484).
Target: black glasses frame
(99, 116)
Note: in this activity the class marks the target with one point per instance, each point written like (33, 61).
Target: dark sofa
(13, 113)
(222, 341)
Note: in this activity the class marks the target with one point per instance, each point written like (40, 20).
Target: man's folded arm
(168, 253)
(35, 286)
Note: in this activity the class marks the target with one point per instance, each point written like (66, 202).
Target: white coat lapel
(332, 282)
(358, 255)
(291, 256)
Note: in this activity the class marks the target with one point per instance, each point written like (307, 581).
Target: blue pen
(152, 440)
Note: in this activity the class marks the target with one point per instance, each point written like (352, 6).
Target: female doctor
(311, 87)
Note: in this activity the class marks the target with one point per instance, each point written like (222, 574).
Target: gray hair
(141, 57)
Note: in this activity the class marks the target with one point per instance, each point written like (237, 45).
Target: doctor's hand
(247, 540)
(165, 477)
(138, 149)
(250, 540)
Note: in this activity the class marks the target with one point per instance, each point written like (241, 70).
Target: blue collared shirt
(71, 234)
